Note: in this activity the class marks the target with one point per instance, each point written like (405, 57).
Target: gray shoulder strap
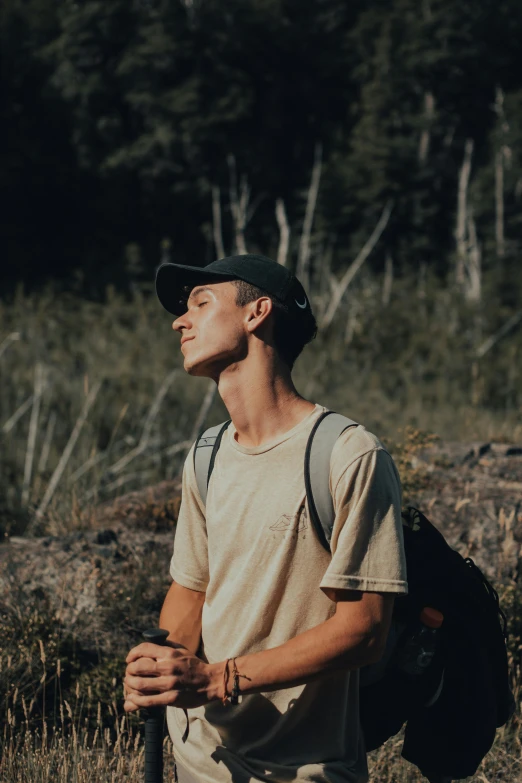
(205, 452)
(317, 471)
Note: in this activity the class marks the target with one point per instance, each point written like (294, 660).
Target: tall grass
(75, 748)
(94, 401)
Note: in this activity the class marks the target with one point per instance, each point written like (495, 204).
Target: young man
(256, 601)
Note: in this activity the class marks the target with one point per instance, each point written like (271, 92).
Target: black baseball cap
(174, 281)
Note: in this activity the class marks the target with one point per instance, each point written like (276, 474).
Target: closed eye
(202, 303)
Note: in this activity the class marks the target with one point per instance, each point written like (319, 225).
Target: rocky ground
(473, 494)
(110, 577)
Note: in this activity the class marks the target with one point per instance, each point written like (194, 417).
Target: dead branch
(425, 137)
(19, 412)
(388, 279)
(178, 447)
(216, 222)
(499, 177)
(502, 332)
(462, 212)
(147, 427)
(238, 205)
(340, 286)
(7, 341)
(499, 203)
(352, 320)
(48, 438)
(284, 232)
(473, 264)
(33, 430)
(303, 259)
(58, 471)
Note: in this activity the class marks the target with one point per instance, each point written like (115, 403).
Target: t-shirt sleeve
(189, 564)
(367, 541)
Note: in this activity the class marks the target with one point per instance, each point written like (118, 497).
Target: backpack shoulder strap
(318, 452)
(205, 451)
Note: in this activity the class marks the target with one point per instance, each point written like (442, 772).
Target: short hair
(290, 334)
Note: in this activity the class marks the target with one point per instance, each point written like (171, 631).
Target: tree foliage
(122, 117)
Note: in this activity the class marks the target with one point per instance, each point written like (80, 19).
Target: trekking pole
(154, 722)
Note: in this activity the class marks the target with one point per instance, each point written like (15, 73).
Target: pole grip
(154, 722)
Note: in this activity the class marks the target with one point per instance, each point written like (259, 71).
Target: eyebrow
(197, 291)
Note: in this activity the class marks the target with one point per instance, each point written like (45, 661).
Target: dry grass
(93, 400)
(70, 751)
(91, 406)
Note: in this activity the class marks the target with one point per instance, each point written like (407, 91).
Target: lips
(186, 339)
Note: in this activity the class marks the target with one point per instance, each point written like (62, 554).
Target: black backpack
(451, 711)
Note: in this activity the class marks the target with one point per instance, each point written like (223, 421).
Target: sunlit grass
(70, 750)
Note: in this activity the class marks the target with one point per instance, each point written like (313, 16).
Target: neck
(261, 399)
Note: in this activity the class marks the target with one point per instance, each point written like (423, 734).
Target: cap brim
(172, 281)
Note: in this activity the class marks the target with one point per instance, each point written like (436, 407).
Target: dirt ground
(472, 493)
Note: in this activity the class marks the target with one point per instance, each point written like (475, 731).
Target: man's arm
(353, 637)
(181, 616)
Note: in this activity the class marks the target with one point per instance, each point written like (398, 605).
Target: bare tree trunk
(339, 286)
(474, 264)
(48, 439)
(352, 320)
(499, 202)
(429, 112)
(499, 177)
(325, 281)
(303, 259)
(33, 430)
(244, 198)
(216, 222)
(284, 232)
(388, 279)
(462, 212)
(238, 205)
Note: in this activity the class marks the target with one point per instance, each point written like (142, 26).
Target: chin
(197, 368)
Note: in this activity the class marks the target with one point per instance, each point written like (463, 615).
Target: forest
(138, 131)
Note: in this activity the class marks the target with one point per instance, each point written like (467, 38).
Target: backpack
(452, 710)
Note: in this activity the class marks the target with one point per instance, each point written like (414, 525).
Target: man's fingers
(143, 666)
(145, 650)
(150, 684)
(147, 667)
(154, 651)
(155, 700)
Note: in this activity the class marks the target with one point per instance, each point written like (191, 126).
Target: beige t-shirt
(255, 554)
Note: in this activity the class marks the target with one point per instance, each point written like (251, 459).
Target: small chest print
(291, 525)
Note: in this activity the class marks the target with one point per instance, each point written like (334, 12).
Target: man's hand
(160, 676)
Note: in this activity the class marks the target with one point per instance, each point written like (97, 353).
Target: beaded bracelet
(225, 700)
(236, 692)
(234, 696)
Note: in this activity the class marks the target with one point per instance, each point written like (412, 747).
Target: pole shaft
(154, 723)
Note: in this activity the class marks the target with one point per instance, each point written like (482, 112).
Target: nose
(181, 323)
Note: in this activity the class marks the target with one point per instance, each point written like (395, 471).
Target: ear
(258, 312)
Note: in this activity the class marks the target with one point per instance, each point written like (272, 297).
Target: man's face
(213, 330)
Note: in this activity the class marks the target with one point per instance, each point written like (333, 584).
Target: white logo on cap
(302, 306)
